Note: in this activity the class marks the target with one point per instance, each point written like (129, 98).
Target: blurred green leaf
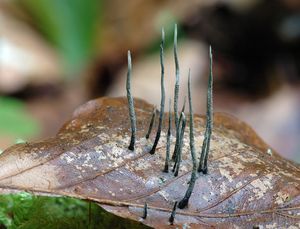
(24, 210)
(14, 120)
(19, 141)
(70, 24)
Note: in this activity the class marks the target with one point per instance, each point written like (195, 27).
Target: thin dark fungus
(209, 108)
(130, 104)
(166, 169)
(184, 202)
(176, 88)
(182, 110)
(209, 121)
(178, 133)
(177, 143)
(172, 217)
(145, 211)
(151, 123)
(162, 102)
(178, 160)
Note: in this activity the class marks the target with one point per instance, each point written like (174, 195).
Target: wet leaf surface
(248, 184)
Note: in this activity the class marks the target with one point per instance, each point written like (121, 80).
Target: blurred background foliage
(58, 54)
(27, 211)
(70, 25)
(55, 55)
(14, 120)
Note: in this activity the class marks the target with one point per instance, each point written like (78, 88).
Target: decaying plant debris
(247, 184)
(89, 159)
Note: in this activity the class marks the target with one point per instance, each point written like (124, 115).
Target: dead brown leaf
(248, 184)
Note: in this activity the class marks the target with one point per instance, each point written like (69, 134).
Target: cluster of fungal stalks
(180, 123)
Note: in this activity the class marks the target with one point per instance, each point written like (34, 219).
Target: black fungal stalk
(151, 123)
(172, 217)
(130, 104)
(178, 159)
(177, 143)
(145, 211)
(176, 148)
(176, 90)
(184, 202)
(182, 111)
(162, 102)
(166, 169)
(209, 122)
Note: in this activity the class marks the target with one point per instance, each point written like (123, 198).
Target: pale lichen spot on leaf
(164, 194)
(111, 193)
(121, 139)
(69, 157)
(281, 197)
(294, 227)
(272, 226)
(143, 165)
(152, 182)
(85, 128)
(75, 141)
(261, 186)
(251, 157)
(288, 174)
(104, 136)
(228, 167)
(223, 189)
(71, 125)
(100, 127)
(226, 173)
(239, 184)
(63, 136)
(205, 198)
